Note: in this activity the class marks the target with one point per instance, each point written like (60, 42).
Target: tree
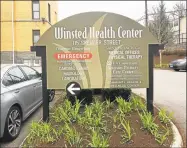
(160, 25)
(178, 13)
(179, 10)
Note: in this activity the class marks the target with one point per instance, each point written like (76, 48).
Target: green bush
(85, 97)
(111, 94)
(97, 91)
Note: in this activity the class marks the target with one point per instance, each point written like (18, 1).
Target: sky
(131, 9)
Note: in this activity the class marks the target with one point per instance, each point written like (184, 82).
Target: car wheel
(13, 124)
(51, 95)
(176, 69)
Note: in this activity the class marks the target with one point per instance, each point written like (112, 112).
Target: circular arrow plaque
(73, 89)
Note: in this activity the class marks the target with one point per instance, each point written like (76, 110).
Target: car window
(7, 80)
(16, 75)
(31, 73)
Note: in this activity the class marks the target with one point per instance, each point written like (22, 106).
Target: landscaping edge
(177, 138)
(20, 146)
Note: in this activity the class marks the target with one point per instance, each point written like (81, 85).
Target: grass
(123, 106)
(161, 138)
(72, 136)
(109, 104)
(67, 112)
(60, 114)
(93, 115)
(42, 133)
(74, 111)
(127, 130)
(97, 139)
(148, 122)
(164, 117)
(137, 103)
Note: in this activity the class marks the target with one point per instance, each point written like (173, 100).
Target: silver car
(179, 64)
(21, 94)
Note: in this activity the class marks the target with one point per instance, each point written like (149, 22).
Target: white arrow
(71, 89)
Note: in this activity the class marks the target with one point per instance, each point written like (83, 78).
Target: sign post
(153, 49)
(41, 52)
(106, 51)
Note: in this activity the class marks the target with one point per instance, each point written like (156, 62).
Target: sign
(97, 50)
(73, 89)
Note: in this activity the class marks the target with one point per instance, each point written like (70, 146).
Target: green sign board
(97, 50)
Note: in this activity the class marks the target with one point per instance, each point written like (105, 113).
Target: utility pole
(146, 14)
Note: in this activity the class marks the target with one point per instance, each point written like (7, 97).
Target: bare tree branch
(179, 10)
(160, 26)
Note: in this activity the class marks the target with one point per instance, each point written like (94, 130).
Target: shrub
(85, 97)
(97, 91)
(111, 94)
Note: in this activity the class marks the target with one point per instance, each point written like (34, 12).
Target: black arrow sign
(73, 89)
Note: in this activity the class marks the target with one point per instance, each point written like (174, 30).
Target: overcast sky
(131, 9)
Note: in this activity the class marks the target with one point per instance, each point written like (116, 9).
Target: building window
(35, 9)
(49, 12)
(36, 36)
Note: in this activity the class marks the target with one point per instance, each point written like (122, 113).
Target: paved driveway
(170, 92)
(36, 116)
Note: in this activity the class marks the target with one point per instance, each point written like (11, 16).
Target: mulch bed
(142, 138)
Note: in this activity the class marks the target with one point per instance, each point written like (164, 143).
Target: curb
(177, 139)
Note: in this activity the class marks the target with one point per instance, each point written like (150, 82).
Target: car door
(35, 79)
(21, 89)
